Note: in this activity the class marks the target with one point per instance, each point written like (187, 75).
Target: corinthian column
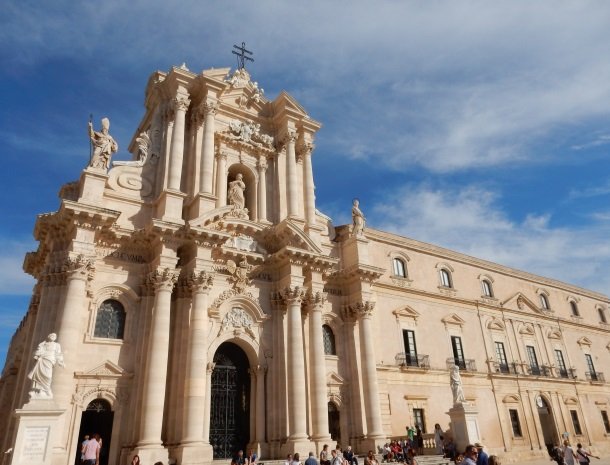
(181, 104)
(369, 372)
(308, 186)
(207, 164)
(195, 387)
(295, 364)
(221, 180)
(153, 395)
(291, 175)
(319, 406)
(262, 189)
(69, 334)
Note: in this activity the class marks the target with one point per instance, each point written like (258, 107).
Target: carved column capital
(181, 103)
(262, 164)
(261, 370)
(364, 309)
(163, 279)
(315, 300)
(78, 267)
(209, 107)
(292, 295)
(200, 282)
(221, 155)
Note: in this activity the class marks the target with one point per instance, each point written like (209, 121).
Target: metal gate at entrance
(230, 401)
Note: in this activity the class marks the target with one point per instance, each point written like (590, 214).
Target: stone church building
(202, 304)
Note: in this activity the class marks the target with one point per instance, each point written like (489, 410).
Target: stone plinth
(195, 454)
(464, 425)
(169, 206)
(201, 203)
(91, 186)
(37, 432)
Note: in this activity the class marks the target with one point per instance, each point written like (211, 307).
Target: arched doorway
(549, 431)
(334, 422)
(230, 401)
(96, 419)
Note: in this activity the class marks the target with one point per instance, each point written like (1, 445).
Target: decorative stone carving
(163, 280)
(144, 144)
(239, 274)
(237, 318)
(181, 103)
(242, 242)
(227, 295)
(240, 78)
(358, 220)
(292, 295)
(79, 266)
(249, 132)
(103, 146)
(47, 355)
(235, 195)
(315, 300)
(363, 309)
(456, 386)
(257, 92)
(200, 282)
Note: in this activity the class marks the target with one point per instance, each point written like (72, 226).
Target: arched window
(574, 308)
(110, 320)
(602, 315)
(445, 278)
(487, 289)
(399, 268)
(329, 340)
(544, 302)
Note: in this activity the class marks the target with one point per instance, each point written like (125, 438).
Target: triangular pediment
(496, 324)
(288, 235)
(453, 319)
(333, 379)
(286, 103)
(554, 334)
(406, 312)
(511, 399)
(520, 302)
(527, 329)
(570, 400)
(584, 341)
(107, 369)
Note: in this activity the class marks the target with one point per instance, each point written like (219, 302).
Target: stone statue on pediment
(358, 219)
(103, 145)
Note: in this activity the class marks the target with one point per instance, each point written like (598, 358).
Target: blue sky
(480, 126)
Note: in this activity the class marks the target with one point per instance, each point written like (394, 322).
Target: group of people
(90, 449)
(566, 455)
(241, 459)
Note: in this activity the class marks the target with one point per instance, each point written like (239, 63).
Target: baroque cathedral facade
(202, 304)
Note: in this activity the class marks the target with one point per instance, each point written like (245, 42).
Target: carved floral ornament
(237, 319)
(79, 266)
(163, 279)
(200, 282)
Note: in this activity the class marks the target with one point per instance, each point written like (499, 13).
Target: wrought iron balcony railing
(566, 373)
(414, 361)
(595, 376)
(506, 368)
(465, 364)
(540, 370)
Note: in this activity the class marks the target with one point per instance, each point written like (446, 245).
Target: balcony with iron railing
(505, 368)
(595, 376)
(465, 364)
(540, 370)
(413, 361)
(566, 373)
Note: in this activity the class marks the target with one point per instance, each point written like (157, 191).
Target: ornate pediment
(104, 370)
(584, 341)
(521, 302)
(333, 379)
(496, 324)
(527, 329)
(554, 333)
(406, 312)
(454, 319)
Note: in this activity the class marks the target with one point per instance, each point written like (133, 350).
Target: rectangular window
(576, 422)
(514, 421)
(410, 347)
(590, 365)
(501, 357)
(531, 354)
(561, 364)
(458, 352)
(418, 418)
(606, 421)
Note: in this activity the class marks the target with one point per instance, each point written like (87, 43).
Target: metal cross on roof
(241, 55)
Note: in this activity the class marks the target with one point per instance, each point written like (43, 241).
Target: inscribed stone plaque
(35, 440)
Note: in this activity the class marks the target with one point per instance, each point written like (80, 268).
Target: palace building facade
(201, 304)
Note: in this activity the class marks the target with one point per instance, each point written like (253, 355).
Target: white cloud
(470, 220)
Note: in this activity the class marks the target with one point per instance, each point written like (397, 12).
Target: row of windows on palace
(110, 324)
(399, 268)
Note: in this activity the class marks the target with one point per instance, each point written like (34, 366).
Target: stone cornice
(359, 272)
(397, 241)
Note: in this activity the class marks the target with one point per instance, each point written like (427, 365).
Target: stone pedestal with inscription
(36, 433)
(464, 425)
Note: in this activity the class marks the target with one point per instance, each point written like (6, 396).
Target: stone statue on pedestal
(358, 219)
(103, 145)
(236, 192)
(47, 355)
(456, 386)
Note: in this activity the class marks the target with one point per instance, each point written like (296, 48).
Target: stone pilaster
(372, 409)
(150, 448)
(319, 403)
(221, 180)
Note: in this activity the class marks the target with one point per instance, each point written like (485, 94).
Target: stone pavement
(604, 460)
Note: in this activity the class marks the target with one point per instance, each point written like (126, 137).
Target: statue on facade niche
(103, 145)
(47, 355)
(358, 219)
(456, 386)
(235, 195)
